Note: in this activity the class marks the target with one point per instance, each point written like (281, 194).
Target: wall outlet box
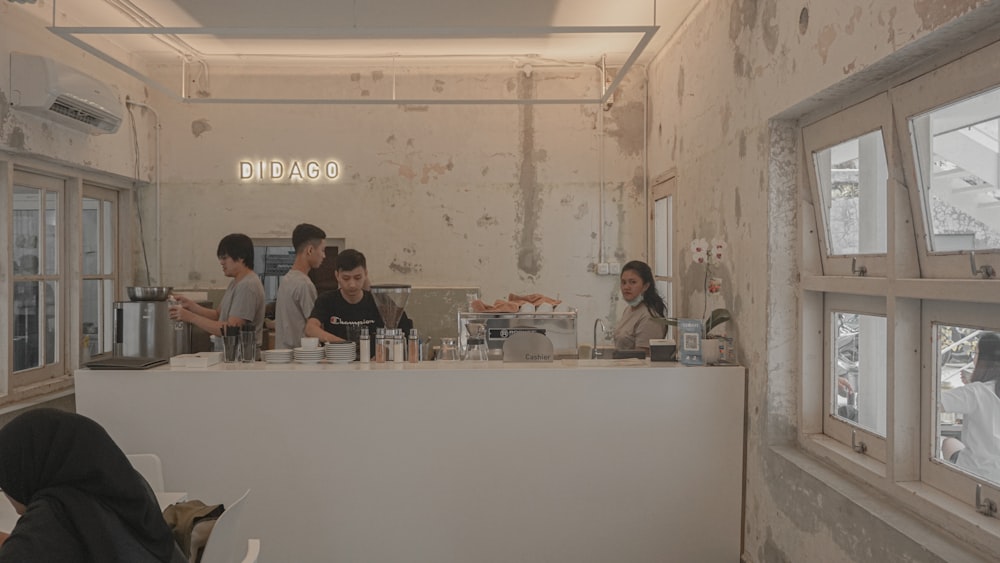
(615, 268)
(603, 269)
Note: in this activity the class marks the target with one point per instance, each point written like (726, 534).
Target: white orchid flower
(699, 251)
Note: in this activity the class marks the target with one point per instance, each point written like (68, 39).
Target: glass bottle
(380, 346)
(364, 348)
(398, 348)
(414, 346)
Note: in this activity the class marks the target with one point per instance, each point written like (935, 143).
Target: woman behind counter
(636, 326)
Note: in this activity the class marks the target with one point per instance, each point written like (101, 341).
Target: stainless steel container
(560, 328)
(144, 329)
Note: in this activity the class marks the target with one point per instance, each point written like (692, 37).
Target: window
(99, 228)
(64, 235)
(662, 237)
(856, 402)
(37, 219)
(274, 257)
(849, 167)
(903, 189)
(956, 153)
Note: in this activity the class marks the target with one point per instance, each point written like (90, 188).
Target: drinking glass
(448, 351)
(248, 346)
(230, 347)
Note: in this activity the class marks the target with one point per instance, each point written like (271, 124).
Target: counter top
(434, 366)
(587, 461)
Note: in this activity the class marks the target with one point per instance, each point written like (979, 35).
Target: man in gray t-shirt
(243, 301)
(296, 292)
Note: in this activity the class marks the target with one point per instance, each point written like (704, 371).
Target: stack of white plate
(278, 356)
(308, 355)
(340, 352)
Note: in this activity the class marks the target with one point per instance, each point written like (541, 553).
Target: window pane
(968, 366)
(852, 180)
(51, 322)
(107, 322)
(27, 228)
(859, 368)
(666, 291)
(26, 326)
(90, 313)
(51, 243)
(107, 249)
(662, 246)
(957, 153)
(91, 236)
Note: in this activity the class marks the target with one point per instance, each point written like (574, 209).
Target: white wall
(504, 197)
(22, 30)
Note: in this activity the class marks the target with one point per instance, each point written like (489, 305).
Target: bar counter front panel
(573, 461)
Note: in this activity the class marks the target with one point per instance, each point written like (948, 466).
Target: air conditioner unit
(65, 95)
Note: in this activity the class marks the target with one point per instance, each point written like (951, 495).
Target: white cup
(309, 343)
(544, 308)
(527, 308)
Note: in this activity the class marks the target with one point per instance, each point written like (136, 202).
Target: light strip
(71, 34)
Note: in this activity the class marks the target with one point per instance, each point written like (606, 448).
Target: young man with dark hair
(351, 305)
(243, 301)
(296, 292)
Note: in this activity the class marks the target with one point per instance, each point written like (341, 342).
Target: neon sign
(288, 171)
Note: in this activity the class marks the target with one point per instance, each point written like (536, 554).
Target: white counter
(574, 461)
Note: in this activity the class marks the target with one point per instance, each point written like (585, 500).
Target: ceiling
(517, 35)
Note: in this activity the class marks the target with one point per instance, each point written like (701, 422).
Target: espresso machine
(144, 329)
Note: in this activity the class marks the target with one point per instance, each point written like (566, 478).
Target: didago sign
(281, 171)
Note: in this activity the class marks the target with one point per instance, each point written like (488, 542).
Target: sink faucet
(604, 330)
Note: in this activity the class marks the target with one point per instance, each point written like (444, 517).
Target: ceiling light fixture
(23, 1)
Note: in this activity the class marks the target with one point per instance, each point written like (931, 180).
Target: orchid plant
(710, 254)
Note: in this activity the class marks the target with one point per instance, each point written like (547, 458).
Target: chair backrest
(253, 551)
(149, 466)
(226, 544)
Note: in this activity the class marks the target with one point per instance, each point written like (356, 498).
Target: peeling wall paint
(440, 196)
(529, 259)
(734, 65)
(199, 126)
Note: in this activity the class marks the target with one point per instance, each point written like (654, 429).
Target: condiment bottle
(414, 349)
(364, 348)
(398, 348)
(380, 346)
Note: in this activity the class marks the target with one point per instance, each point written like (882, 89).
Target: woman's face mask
(634, 302)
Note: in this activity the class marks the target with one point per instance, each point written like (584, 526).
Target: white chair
(150, 467)
(253, 551)
(227, 544)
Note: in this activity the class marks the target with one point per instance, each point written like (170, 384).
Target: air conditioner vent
(69, 107)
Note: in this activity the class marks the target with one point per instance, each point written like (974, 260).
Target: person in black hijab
(79, 498)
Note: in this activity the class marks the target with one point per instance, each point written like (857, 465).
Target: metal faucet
(604, 331)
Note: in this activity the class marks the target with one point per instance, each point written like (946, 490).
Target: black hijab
(69, 461)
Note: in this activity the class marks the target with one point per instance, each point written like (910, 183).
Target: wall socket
(608, 268)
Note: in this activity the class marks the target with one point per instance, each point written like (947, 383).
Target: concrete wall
(715, 87)
(504, 197)
(22, 30)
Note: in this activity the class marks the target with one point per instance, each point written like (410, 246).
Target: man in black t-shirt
(348, 306)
